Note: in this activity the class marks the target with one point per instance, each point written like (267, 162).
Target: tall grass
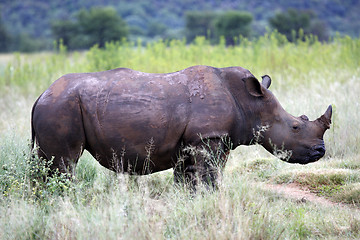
(270, 54)
(307, 77)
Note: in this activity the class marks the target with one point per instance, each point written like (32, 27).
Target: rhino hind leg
(62, 154)
(60, 141)
(201, 163)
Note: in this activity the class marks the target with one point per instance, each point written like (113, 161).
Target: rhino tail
(32, 124)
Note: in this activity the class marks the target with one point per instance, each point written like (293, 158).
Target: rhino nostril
(320, 148)
(317, 152)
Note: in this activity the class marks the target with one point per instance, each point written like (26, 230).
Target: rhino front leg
(202, 163)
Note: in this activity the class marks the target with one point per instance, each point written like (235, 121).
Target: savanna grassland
(307, 76)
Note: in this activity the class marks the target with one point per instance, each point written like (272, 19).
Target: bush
(4, 37)
(96, 26)
(233, 24)
(295, 24)
(214, 26)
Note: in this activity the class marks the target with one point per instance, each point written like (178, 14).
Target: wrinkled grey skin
(143, 123)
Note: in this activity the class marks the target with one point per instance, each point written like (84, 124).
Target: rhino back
(123, 110)
(133, 112)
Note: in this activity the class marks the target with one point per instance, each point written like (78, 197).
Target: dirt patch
(300, 194)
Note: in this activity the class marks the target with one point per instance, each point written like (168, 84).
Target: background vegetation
(293, 22)
(29, 23)
(96, 26)
(308, 75)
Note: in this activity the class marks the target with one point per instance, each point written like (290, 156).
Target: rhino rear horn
(266, 81)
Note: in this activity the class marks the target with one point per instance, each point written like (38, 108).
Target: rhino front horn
(326, 117)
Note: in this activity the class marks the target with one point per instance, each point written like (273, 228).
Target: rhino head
(300, 139)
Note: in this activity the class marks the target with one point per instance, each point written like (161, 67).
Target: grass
(307, 77)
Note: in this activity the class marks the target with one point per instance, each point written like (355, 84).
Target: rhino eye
(295, 127)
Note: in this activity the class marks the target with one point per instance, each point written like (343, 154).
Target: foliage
(24, 43)
(271, 53)
(34, 18)
(96, 26)
(233, 24)
(156, 29)
(199, 24)
(21, 42)
(214, 25)
(66, 31)
(4, 37)
(25, 175)
(291, 22)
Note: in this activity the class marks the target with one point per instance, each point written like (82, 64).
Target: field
(259, 196)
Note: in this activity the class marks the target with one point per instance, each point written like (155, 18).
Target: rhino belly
(138, 132)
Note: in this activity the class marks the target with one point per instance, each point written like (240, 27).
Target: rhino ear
(266, 81)
(253, 87)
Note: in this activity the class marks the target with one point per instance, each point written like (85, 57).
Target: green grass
(307, 77)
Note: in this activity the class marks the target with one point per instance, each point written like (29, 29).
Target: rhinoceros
(142, 123)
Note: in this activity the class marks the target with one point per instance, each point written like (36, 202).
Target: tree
(4, 37)
(100, 25)
(319, 29)
(214, 25)
(199, 24)
(67, 31)
(290, 22)
(233, 24)
(156, 29)
(96, 26)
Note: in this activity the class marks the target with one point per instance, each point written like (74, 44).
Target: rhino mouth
(315, 157)
(314, 153)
